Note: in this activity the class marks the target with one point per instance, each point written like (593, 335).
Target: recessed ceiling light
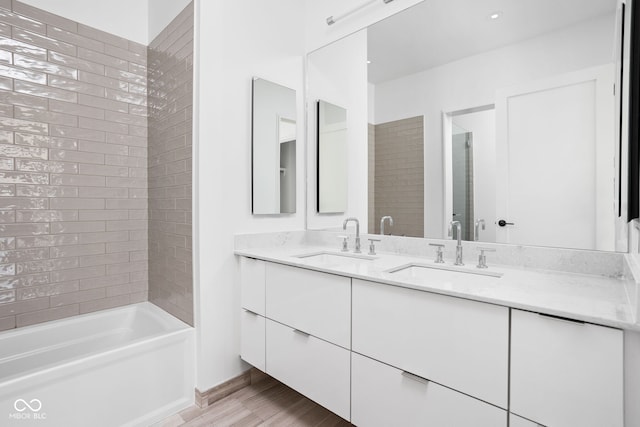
(495, 15)
(368, 62)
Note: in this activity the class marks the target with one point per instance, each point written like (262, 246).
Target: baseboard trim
(208, 397)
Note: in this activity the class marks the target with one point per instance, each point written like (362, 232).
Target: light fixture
(368, 62)
(495, 15)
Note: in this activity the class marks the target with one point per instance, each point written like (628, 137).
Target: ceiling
(437, 32)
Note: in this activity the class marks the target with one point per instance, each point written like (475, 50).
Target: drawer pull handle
(251, 312)
(562, 319)
(414, 377)
(298, 331)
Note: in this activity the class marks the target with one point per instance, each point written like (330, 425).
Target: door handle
(503, 223)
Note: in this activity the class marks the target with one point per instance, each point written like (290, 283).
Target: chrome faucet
(459, 234)
(382, 220)
(479, 223)
(344, 227)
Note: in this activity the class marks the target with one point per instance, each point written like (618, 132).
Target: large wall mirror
(273, 148)
(503, 115)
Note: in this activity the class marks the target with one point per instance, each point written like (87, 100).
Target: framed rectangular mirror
(273, 148)
(510, 117)
(332, 158)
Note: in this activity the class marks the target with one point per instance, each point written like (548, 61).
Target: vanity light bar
(333, 19)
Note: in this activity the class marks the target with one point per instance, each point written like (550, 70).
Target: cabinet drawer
(252, 284)
(385, 396)
(313, 302)
(516, 421)
(455, 342)
(314, 367)
(252, 341)
(565, 373)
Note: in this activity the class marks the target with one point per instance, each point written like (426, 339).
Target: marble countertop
(590, 298)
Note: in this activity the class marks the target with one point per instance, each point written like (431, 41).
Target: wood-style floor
(267, 403)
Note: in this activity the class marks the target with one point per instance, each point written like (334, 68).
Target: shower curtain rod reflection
(333, 19)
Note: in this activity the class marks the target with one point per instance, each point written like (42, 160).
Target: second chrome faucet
(344, 227)
(459, 235)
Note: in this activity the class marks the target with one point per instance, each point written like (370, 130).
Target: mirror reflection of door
(471, 176)
(287, 137)
(462, 170)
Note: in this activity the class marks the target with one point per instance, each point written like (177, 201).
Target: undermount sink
(426, 271)
(335, 258)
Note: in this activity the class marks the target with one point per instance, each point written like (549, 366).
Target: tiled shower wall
(73, 168)
(170, 141)
(399, 176)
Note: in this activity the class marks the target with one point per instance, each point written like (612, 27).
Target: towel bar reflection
(333, 19)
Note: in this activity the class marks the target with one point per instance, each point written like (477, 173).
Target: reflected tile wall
(73, 164)
(170, 141)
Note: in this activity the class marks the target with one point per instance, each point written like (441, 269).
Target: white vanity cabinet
(314, 367)
(252, 320)
(313, 302)
(566, 373)
(385, 396)
(458, 343)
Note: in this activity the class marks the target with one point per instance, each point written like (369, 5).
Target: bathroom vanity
(389, 340)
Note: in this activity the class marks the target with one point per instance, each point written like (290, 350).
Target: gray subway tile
(76, 203)
(77, 156)
(103, 304)
(103, 59)
(45, 141)
(127, 76)
(45, 191)
(44, 66)
(39, 115)
(43, 41)
(77, 273)
(46, 166)
(102, 36)
(77, 250)
(77, 297)
(22, 74)
(103, 215)
(104, 281)
(107, 104)
(7, 216)
(137, 245)
(46, 216)
(44, 91)
(73, 62)
(106, 126)
(128, 140)
(47, 241)
(47, 315)
(20, 21)
(20, 307)
(75, 85)
(77, 133)
(21, 48)
(117, 236)
(13, 256)
(23, 178)
(76, 180)
(77, 227)
(97, 147)
(28, 126)
(76, 109)
(104, 259)
(105, 193)
(22, 203)
(23, 229)
(126, 182)
(99, 80)
(72, 37)
(47, 290)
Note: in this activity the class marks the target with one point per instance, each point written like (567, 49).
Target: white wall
(124, 18)
(235, 40)
(338, 74)
(161, 13)
(319, 34)
(472, 82)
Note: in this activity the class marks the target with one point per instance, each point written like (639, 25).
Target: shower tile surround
(73, 168)
(170, 58)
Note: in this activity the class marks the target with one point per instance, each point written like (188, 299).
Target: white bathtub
(127, 366)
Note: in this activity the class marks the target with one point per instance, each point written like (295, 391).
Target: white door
(555, 148)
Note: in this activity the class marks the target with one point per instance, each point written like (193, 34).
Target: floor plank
(267, 403)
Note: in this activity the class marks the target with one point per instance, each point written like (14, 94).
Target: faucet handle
(372, 246)
(345, 242)
(439, 255)
(482, 258)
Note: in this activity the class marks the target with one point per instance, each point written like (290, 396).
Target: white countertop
(590, 298)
